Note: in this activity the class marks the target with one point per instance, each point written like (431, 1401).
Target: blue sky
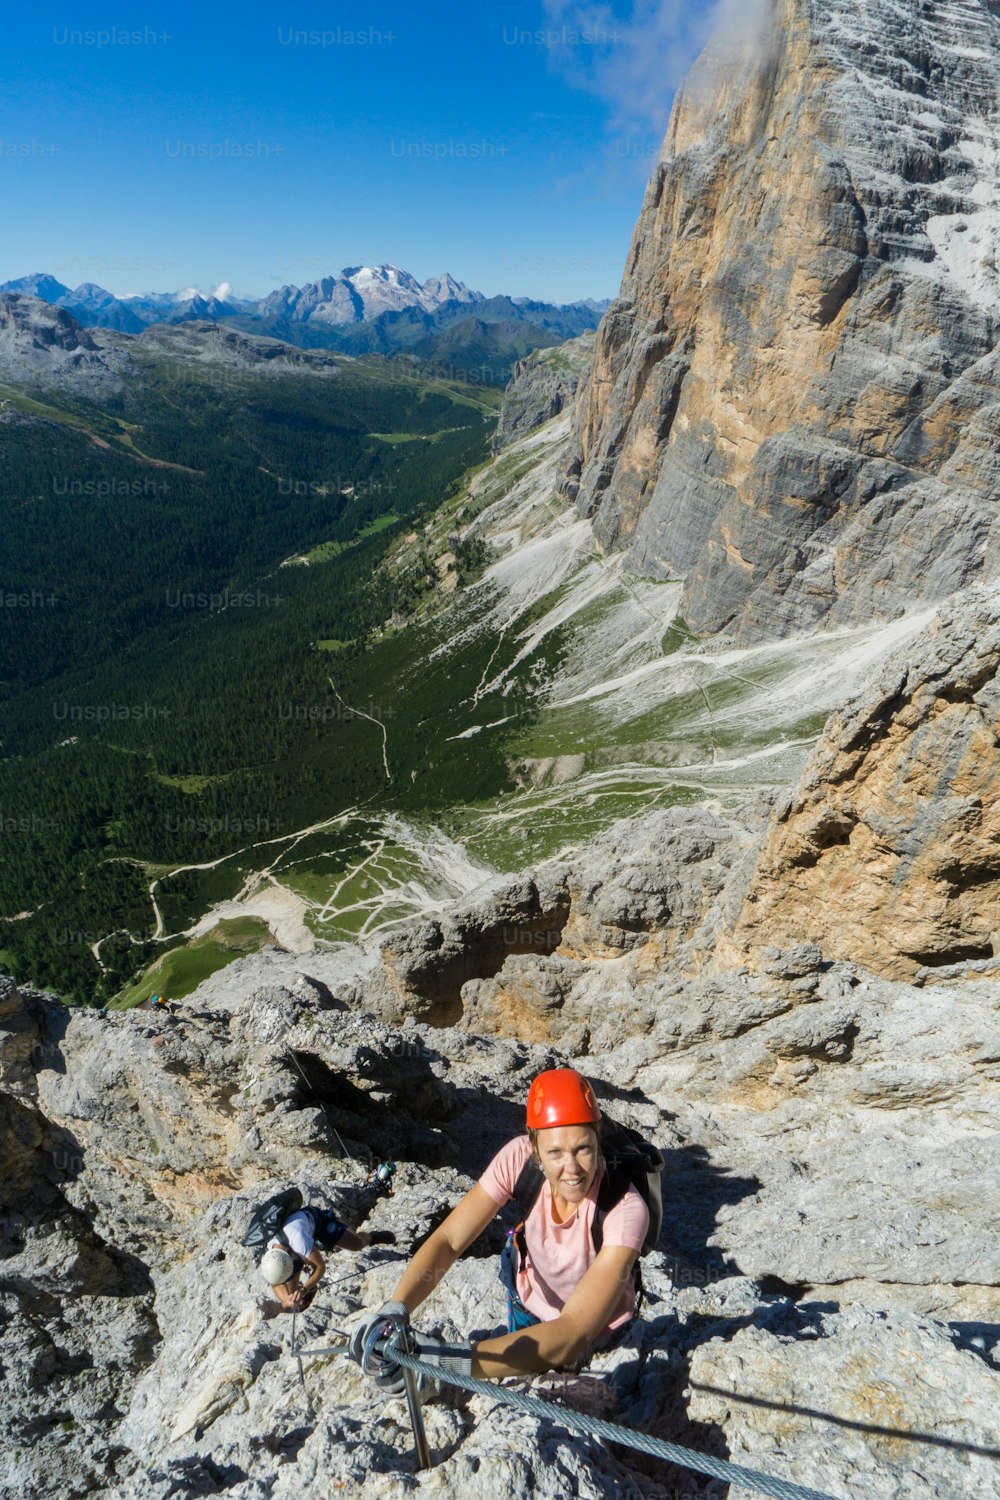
(173, 145)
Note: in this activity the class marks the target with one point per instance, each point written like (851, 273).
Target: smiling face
(570, 1158)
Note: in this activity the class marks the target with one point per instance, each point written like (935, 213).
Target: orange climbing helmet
(561, 1096)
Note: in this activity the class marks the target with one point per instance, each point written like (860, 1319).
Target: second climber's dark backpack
(268, 1219)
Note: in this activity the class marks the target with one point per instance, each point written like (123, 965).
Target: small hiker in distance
(293, 1237)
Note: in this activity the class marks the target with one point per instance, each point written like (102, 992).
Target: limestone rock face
(642, 895)
(202, 342)
(792, 403)
(144, 1358)
(37, 325)
(637, 899)
(889, 850)
(541, 387)
(45, 343)
(874, 1412)
(421, 969)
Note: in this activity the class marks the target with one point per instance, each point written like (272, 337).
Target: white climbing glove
(455, 1359)
(372, 1327)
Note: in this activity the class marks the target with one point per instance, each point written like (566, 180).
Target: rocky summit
(360, 292)
(42, 342)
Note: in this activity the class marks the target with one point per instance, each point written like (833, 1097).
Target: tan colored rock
(642, 896)
(889, 851)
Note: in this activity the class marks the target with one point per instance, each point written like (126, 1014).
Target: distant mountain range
(360, 310)
(357, 294)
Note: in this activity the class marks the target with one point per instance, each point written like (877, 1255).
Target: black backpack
(267, 1221)
(630, 1161)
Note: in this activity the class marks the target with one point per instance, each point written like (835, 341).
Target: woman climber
(568, 1267)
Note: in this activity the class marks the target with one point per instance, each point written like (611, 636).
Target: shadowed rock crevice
(391, 1116)
(940, 958)
(696, 1190)
(426, 970)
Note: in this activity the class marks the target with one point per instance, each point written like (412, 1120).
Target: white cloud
(641, 50)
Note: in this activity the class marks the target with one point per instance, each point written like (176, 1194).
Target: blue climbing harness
(518, 1315)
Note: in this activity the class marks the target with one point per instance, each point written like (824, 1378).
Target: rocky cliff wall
(828, 1249)
(793, 402)
(45, 343)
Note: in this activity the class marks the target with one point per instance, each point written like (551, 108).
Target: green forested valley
(192, 606)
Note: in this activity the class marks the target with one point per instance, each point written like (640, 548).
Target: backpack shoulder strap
(614, 1185)
(528, 1186)
(526, 1191)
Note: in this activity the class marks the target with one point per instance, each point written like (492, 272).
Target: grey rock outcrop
(792, 403)
(43, 343)
(143, 1358)
(886, 852)
(541, 387)
(202, 342)
(645, 895)
(842, 1373)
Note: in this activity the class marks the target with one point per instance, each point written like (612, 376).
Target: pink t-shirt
(560, 1254)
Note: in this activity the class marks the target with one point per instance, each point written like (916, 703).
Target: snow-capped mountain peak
(358, 293)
